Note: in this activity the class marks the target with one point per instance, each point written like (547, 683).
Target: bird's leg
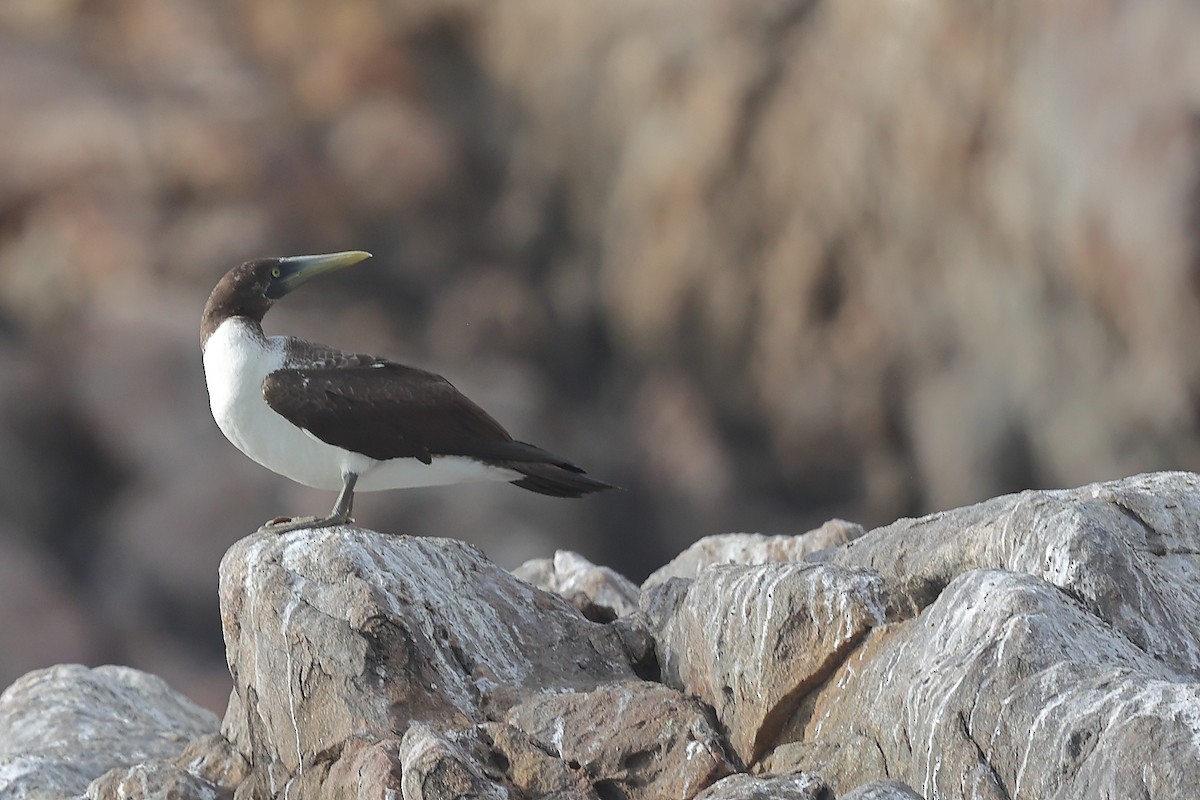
(340, 515)
(345, 501)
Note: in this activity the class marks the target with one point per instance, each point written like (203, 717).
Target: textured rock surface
(771, 633)
(62, 727)
(1036, 645)
(781, 787)
(343, 632)
(1056, 650)
(636, 740)
(601, 593)
(753, 548)
(882, 790)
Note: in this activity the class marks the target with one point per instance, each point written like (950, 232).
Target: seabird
(345, 421)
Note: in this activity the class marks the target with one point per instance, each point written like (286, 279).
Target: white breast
(237, 357)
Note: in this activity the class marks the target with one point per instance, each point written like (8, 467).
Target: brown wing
(386, 410)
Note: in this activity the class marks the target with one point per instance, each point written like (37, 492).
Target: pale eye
(275, 273)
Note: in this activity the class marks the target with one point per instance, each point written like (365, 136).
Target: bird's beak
(298, 270)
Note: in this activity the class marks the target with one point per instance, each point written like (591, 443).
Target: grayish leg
(345, 501)
(340, 515)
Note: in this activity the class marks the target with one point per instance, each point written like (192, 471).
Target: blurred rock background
(760, 263)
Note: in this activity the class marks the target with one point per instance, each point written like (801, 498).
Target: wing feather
(386, 410)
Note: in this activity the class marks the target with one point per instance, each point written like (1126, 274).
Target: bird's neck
(212, 320)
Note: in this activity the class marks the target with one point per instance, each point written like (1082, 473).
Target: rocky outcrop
(1037, 645)
(753, 548)
(600, 593)
(64, 726)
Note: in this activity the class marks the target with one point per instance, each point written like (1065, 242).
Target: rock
(1055, 656)
(207, 769)
(62, 727)
(752, 641)
(601, 593)
(340, 632)
(1035, 645)
(800, 786)
(753, 548)
(653, 742)
(153, 780)
(365, 769)
(532, 768)
(882, 790)
(1123, 549)
(436, 767)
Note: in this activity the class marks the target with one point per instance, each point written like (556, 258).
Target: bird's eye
(276, 272)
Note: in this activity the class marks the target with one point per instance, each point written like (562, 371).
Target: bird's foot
(286, 524)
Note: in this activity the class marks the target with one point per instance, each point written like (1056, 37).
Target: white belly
(237, 358)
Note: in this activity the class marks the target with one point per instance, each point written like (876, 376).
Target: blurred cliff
(760, 263)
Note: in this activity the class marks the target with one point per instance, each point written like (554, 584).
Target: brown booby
(345, 421)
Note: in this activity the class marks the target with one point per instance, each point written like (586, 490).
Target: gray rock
(340, 632)
(798, 786)
(1055, 656)
(601, 593)
(1040, 645)
(882, 790)
(753, 548)
(752, 641)
(208, 769)
(62, 727)
(651, 741)
(153, 780)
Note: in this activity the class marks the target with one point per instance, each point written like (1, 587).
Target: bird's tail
(565, 480)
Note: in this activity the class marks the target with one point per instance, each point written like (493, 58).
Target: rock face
(1037, 645)
(61, 727)
(347, 632)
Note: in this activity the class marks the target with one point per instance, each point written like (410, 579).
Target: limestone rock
(753, 548)
(751, 641)
(339, 632)
(64, 726)
(601, 593)
(652, 742)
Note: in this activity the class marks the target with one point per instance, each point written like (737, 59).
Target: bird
(344, 421)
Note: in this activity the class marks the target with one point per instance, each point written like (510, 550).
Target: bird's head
(249, 290)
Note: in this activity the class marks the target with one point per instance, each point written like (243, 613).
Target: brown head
(249, 290)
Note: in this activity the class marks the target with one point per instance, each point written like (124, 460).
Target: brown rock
(653, 742)
(364, 770)
(532, 768)
(439, 767)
